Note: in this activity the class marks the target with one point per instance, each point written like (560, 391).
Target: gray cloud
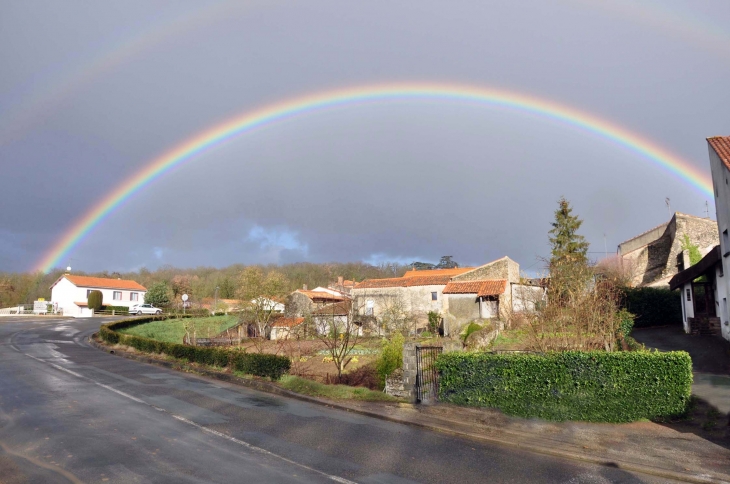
(394, 180)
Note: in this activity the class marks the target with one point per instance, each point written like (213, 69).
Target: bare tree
(257, 291)
(337, 326)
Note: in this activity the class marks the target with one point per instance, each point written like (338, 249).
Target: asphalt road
(72, 413)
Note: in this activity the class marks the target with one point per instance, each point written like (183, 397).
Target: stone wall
(653, 256)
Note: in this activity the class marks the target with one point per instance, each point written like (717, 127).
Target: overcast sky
(90, 92)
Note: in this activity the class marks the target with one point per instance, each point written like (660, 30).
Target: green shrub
(94, 300)
(627, 323)
(592, 386)
(391, 357)
(426, 334)
(116, 309)
(652, 306)
(434, 322)
(268, 366)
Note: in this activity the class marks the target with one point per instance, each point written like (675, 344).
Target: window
(88, 291)
(117, 295)
(369, 308)
(689, 294)
(434, 296)
(134, 296)
(725, 243)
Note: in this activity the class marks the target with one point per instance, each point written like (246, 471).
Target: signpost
(185, 302)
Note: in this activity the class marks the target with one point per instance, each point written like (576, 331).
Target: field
(173, 330)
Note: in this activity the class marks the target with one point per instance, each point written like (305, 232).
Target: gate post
(409, 369)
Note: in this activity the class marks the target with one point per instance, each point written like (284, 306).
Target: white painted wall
(721, 182)
(688, 308)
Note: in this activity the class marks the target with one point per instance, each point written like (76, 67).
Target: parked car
(144, 309)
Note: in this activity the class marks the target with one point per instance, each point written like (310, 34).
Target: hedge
(591, 386)
(116, 309)
(653, 306)
(269, 366)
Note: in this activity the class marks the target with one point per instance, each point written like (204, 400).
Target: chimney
(304, 287)
(340, 281)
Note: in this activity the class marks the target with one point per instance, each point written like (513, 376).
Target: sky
(92, 92)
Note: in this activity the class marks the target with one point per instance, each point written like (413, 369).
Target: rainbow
(312, 103)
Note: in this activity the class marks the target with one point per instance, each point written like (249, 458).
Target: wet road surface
(71, 413)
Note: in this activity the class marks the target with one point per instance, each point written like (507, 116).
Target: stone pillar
(409, 369)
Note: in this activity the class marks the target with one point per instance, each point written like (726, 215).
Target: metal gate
(427, 378)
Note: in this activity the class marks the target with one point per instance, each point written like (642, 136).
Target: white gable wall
(721, 183)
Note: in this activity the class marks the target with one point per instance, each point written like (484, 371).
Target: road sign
(184, 297)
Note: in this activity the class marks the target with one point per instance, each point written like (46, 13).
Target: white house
(71, 292)
(719, 148)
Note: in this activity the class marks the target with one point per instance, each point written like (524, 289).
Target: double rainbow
(360, 95)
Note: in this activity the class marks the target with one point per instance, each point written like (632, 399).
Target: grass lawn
(335, 392)
(511, 339)
(173, 330)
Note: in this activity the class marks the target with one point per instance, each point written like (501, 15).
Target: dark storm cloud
(387, 181)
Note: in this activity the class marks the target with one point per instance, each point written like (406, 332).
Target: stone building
(458, 295)
(653, 257)
(302, 301)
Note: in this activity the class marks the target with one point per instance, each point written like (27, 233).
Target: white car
(144, 309)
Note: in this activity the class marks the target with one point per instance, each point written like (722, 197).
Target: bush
(391, 357)
(365, 376)
(116, 309)
(94, 300)
(627, 323)
(426, 334)
(593, 386)
(268, 366)
(653, 306)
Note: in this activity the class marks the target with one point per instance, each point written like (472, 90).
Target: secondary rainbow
(358, 95)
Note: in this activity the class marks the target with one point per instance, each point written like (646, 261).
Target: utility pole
(707, 209)
(669, 206)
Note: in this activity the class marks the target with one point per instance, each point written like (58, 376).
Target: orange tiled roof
(321, 295)
(491, 287)
(721, 145)
(439, 272)
(287, 322)
(435, 280)
(101, 282)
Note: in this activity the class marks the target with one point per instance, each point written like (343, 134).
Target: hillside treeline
(199, 283)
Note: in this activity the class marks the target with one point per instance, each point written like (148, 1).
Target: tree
(338, 327)
(95, 300)
(446, 262)
(256, 291)
(567, 247)
(158, 295)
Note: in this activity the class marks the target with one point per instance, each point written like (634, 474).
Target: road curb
(539, 449)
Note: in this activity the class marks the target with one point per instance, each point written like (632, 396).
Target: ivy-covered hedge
(653, 306)
(590, 386)
(269, 366)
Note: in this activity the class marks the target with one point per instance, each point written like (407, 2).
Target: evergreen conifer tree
(568, 248)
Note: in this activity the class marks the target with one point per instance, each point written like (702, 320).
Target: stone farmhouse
(303, 301)
(70, 293)
(654, 257)
(705, 301)
(458, 295)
